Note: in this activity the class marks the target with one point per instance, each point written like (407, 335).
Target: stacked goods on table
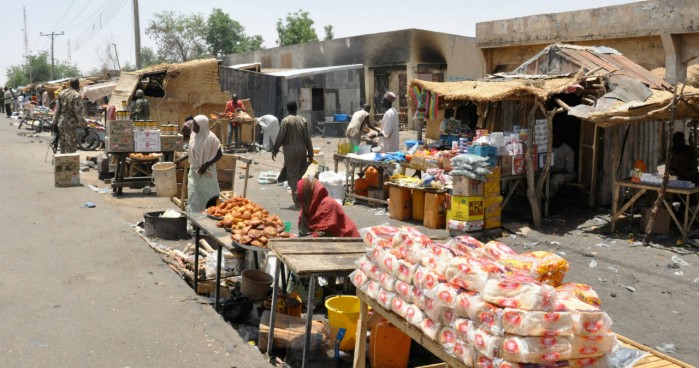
(123, 135)
(485, 304)
(248, 223)
(470, 172)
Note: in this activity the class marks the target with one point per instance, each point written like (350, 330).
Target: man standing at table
(232, 106)
(390, 126)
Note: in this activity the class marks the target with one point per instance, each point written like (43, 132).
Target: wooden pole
(533, 195)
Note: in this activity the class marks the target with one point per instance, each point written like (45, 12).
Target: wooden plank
(360, 341)
(412, 331)
(639, 346)
(334, 248)
(306, 265)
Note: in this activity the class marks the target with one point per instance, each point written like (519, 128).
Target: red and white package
(408, 237)
(425, 278)
(447, 316)
(372, 289)
(592, 346)
(547, 267)
(404, 290)
(484, 342)
(471, 273)
(444, 294)
(496, 250)
(431, 307)
(359, 279)
(405, 270)
(587, 319)
(590, 362)
(465, 246)
(414, 315)
(378, 235)
(461, 327)
(582, 292)
(399, 306)
(463, 303)
(437, 258)
(485, 315)
(371, 270)
(387, 282)
(463, 351)
(482, 361)
(447, 338)
(519, 291)
(536, 323)
(418, 297)
(385, 298)
(545, 349)
(387, 261)
(430, 328)
(416, 254)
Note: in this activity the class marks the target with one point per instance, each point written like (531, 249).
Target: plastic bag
(404, 290)
(399, 306)
(496, 251)
(485, 315)
(468, 174)
(268, 177)
(582, 292)
(405, 270)
(437, 258)
(425, 279)
(359, 279)
(385, 298)
(519, 291)
(387, 282)
(387, 262)
(472, 273)
(414, 315)
(547, 267)
(447, 338)
(467, 158)
(592, 346)
(372, 289)
(548, 349)
(430, 328)
(463, 351)
(431, 308)
(461, 327)
(536, 323)
(587, 319)
(371, 270)
(463, 303)
(447, 316)
(484, 342)
(444, 294)
(378, 235)
(465, 246)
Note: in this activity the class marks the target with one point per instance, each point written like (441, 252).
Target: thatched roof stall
(612, 90)
(175, 90)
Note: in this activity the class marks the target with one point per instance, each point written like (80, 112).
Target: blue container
(483, 151)
(410, 143)
(448, 138)
(341, 117)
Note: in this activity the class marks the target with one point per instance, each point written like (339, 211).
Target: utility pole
(26, 43)
(117, 56)
(137, 34)
(53, 35)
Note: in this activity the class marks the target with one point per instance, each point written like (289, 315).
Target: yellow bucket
(343, 312)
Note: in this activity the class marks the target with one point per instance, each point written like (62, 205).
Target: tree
(298, 29)
(226, 36)
(149, 57)
(179, 37)
(38, 69)
(329, 35)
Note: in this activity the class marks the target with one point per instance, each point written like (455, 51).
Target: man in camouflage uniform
(69, 116)
(141, 110)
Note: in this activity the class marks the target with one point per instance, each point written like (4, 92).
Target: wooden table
(352, 162)
(312, 258)
(201, 222)
(121, 179)
(684, 194)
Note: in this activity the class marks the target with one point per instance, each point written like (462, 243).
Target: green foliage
(38, 69)
(226, 36)
(148, 58)
(179, 37)
(297, 29)
(329, 35)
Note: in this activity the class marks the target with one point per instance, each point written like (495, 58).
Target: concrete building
(389, 61)
(653, 33)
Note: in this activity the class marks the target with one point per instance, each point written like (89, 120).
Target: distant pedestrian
(298, 149)
(69, 116)
(2, 100)
(232, 106)
(270, 131)
(8, 101)
(44, 96)
(390, 125)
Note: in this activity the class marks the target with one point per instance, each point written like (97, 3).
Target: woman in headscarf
(320, 214)
(203, 152)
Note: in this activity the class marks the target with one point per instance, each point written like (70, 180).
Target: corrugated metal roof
(601, 60)
(299, 72)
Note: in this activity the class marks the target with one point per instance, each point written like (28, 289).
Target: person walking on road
(2, 100)
(44, 96)
(69, 116)
(8, 101)
(298, 149)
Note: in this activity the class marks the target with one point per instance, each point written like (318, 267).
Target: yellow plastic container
(389, 347)
(343, 312)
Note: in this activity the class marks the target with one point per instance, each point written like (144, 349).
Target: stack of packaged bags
(485, 304)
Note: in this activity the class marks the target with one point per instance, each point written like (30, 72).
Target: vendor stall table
(121, 179)
(352, 162)
(201, 222)
(654, 360)
(312, 258)
(684, 194)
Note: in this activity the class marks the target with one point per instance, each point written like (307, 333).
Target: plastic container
(165, 179)
(389, 347)
(343, 312)
(255, 284)
(341, 117)
(364, 149)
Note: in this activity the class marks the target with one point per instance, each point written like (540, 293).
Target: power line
(64, 15)
(103, 20)
(53, 35)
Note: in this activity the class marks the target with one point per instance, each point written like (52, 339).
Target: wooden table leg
(615, 205)
(686, 221)
(675, 219)
(219, 256)
(360, 343)
(196, 258)
(273, 312)
(309, 319)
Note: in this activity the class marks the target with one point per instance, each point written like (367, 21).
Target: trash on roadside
(616, 270)
(629, 288)
(666, 348)
(593, 263)
(679, 273)
(88, 205)
(679, 261)
(267, 177)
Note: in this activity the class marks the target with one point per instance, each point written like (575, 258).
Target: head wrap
(204, 145)
(321, 213)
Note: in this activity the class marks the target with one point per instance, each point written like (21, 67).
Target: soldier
(141, 110)
(69, 116)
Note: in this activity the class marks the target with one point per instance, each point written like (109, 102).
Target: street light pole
(137, 34)
(117, 56)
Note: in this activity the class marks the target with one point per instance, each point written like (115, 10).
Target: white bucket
(165, 179)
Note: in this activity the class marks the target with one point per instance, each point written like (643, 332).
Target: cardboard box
(492, 211)
(171, 142)
(66, 162)
(400, 203)
(467, 208)
(418, 162)
(661, 225)
(119, 127)
(146, 141)
(483, 151)
(466, 187)
(435, 216)
(513, 165)
(491, 223)
(66, 178)
(119, 143)
(495, 175)
(432, 163)
(491, 189)
(490, 201)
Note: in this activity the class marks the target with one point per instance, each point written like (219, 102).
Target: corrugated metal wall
(264, 91)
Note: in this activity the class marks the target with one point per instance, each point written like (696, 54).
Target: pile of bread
(484, 303)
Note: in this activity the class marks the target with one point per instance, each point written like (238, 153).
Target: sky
(89, 26)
